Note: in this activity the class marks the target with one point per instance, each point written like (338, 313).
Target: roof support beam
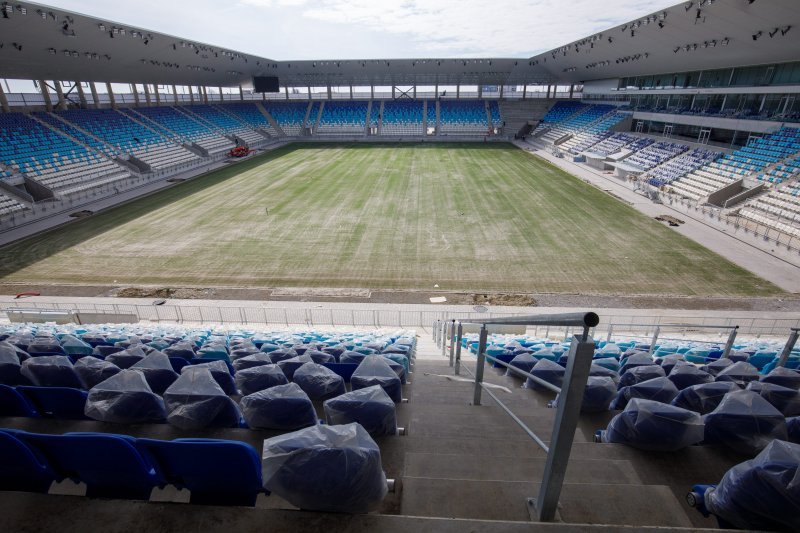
(174, 94)
(135, 94)
(147, 94)
(81, 95)
(3, 100)
(48, 103)
(111, 97)
(62, 103)
(95, 97)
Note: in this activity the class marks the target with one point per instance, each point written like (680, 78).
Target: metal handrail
(567, 411)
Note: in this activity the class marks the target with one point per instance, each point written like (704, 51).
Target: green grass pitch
(465, 217)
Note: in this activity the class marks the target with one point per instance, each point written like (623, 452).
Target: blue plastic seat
(216, 472)
(110, 465)
(57, 402)
(12, 403)
(21, 468)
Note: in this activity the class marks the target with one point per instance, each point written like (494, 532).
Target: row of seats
(654, 154)
(557, 114)
(618, 142)
(290, 116)
(188, 129)
(226, 123)
(9, 206)
(343, 118)
(584, 120)
(403, 117)
(680, 166)
(465, 117)
(251, 115)
(336, 469)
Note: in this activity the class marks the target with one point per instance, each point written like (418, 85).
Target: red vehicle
(239, 151)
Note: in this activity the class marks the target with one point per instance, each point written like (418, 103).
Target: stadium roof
(40, 42)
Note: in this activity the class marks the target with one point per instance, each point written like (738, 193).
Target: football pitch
(468, 217)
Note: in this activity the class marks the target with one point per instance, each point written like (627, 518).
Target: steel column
(476, 398)
(728, 345)
(450, 336)
(789, 346)
(566, 421)
(654, 340)
(459, 334)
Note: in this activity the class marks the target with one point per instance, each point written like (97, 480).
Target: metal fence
(273, 314)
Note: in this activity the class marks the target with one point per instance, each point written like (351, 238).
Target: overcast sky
(367, 29)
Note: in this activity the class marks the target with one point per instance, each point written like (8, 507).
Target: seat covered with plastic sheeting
(289, 366)
(761, 358)
(740, 373)
(546, 353)
(110, 465)
(762, 493)
(611, 350)
(784, 399)
(600, 371)
(320, 357)
(157, 370)
(45, 346)
(282, 407)
(12, 403)
(219, 371)
(50, 371)
(319, 382)
(736, 356)
(637, 359)
(657, 389)
(715, 367)
(793, 429)
(104, 351)
(277, 356)
(546, 370)
(238, 353)
(668, 362)
(74, 346)
(652, 425)
(258, 378)
(325, 468)
(352, 357)
(184, 350)
(607, 362)
(10, 367)
(21, 467)
(127, 357)
(125, 398)
(92, 370)
(375, 370)
(524, 362)
(638, 374)
(196, 401)
(399, 363)
(253, 360)
(267, 347)
(744, 422)
(336, 351)
(686, 375)
(785, 377)
(8, 347)
(57, 402)
(705, 397)
(371, 407)
(216, 472)
(597, 396)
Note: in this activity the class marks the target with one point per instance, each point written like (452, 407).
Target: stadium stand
(9, 206)
(559, 113)
(52, 159)
(653, 155)
(343, 118)
(225, 123)
(251, 115)
(779, 209)
(114, 132)
(680, 166)
(186, 128)
(462, 117)
(290, 116)
(402, 117)
(432, 116)
(756, 156)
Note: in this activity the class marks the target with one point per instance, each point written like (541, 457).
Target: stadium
(543, 292)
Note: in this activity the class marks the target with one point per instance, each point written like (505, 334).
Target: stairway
(474, 462)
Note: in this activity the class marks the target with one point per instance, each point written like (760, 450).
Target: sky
(372, 29)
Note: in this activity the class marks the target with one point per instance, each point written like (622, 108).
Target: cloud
(274, 3)
(478, 27)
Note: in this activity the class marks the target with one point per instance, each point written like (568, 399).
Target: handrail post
(728, 345)
(654, 340)
(476, 398)
(459, 334)
(444, 337)
(610, 330)
(543, 508)
(451, 337)
(787, 350)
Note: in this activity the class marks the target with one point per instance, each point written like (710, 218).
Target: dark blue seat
(744, 422)
(216, 472)
(371, 407)
(283, 407)
(12, 403)
(51, 371)
(21, 468)
(343, 369)
(110, 465)
(651, 425)
(57, 402)
(375, 370)
(705, 397)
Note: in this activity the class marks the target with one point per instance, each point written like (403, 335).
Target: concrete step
(522, 468)
(633, 505)
(68, 514)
